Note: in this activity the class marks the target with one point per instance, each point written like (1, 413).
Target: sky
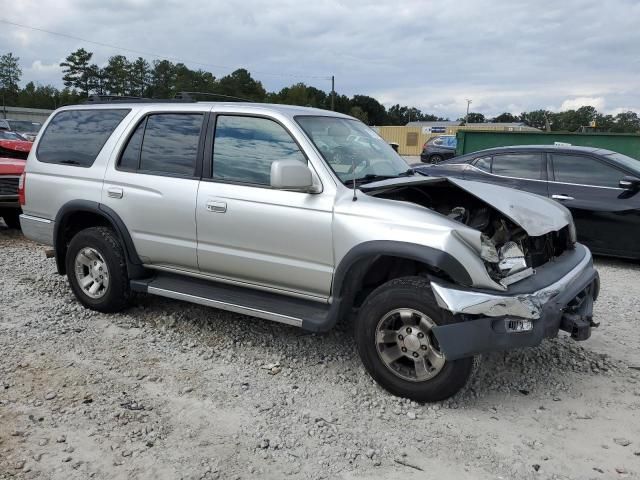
(504, 55)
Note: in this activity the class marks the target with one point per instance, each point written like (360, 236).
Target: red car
(13, 156)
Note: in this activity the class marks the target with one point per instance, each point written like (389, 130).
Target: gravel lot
(171, 390)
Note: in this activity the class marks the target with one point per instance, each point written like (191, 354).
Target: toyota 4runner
(304, 217)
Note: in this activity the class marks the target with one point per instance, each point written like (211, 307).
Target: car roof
(534, 148)
(247, 107)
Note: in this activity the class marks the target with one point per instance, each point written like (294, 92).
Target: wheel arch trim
(78, 206)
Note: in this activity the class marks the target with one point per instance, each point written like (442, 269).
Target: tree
(376, 113)
(505, 117)
(241, 84)
(475, 117)
(10, 74)
(359, 113)
(139, 77)
(163, 77)
(117, 75)
(77, 71)
(627, 122)
(537, 118)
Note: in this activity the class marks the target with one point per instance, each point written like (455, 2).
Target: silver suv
(304, 217)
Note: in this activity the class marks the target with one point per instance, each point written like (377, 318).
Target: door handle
(562, 197)
(216, 206)
(115, 192)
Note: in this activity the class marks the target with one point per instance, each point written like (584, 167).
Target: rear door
(607, 217)
(523, 171)
(153, 183)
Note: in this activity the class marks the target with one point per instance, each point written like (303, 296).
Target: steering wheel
(343, 156)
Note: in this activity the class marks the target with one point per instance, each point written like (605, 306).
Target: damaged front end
(515, 238)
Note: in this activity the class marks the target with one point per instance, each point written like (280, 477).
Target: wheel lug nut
(420, 335)
(423, 347)
(404, 349)
(415, 354)
(400, 337)
(409, 330)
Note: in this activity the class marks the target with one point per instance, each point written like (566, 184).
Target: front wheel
(397, 346)
(97, 270)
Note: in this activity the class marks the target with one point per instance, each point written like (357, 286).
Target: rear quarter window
(75, 137)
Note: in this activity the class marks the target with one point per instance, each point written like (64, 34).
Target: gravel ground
(170, 390)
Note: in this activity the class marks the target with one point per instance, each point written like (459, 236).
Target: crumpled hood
(535, 214)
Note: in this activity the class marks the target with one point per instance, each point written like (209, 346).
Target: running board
(307, 314)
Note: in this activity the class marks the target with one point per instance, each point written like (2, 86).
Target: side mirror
(630, 183)
(291, 175)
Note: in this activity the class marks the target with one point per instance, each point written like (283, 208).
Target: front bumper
(564, 304)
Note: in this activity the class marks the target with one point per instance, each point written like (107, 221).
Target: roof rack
(93, 99)
(180, 97)
(190, 95)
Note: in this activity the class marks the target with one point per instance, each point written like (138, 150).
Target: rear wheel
(97, 270)
(397, 346)
(435, 159)
(12, 219)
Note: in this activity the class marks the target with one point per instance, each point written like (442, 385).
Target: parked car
(600, 187)
(25, 128)
(13, 145)
(284, 213)
(439, 148)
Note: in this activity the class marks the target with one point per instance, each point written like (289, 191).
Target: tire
(12, 219)
(440, 379)
(435, 159)
(90, 250)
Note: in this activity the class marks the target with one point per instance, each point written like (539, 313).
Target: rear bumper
(566, 304)
(37, 229)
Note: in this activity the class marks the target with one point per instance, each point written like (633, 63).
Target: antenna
(353, 169)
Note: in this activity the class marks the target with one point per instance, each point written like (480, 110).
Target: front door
(607, 217)
(251, 233)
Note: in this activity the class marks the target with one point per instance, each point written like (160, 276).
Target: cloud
(575, 103)
(506, 56)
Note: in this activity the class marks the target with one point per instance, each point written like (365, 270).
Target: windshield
(352, 149)
(625, 161)
(24, 126)
(4, 135)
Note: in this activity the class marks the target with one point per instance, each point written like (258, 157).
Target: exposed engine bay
(510, 254)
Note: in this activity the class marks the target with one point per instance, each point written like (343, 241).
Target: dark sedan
(600, 187)
(439, 148)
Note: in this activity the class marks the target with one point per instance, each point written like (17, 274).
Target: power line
(150, 54)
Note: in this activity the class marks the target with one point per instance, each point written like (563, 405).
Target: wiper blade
(69, 162)
(370, 177)
(407, 173)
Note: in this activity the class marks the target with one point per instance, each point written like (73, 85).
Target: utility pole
(333, 92)
(466, 118)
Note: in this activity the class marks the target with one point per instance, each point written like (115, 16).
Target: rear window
(75, 137)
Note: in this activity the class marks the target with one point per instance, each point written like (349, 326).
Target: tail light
(424, 146)
(22, 184)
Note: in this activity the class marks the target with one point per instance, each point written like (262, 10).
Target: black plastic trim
(376, 248)
(133, 260)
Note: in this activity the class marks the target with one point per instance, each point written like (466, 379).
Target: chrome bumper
(37, 229)
(529, 305)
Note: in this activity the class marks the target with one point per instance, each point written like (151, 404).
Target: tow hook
(579, 326)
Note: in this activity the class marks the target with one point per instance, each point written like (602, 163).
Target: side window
(170, 143)
(483, 163)
(130, 159)
(75, 137)
(518, 165)
(585, 171)
(245, 147)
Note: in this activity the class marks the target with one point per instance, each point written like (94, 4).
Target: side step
(256, 303)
